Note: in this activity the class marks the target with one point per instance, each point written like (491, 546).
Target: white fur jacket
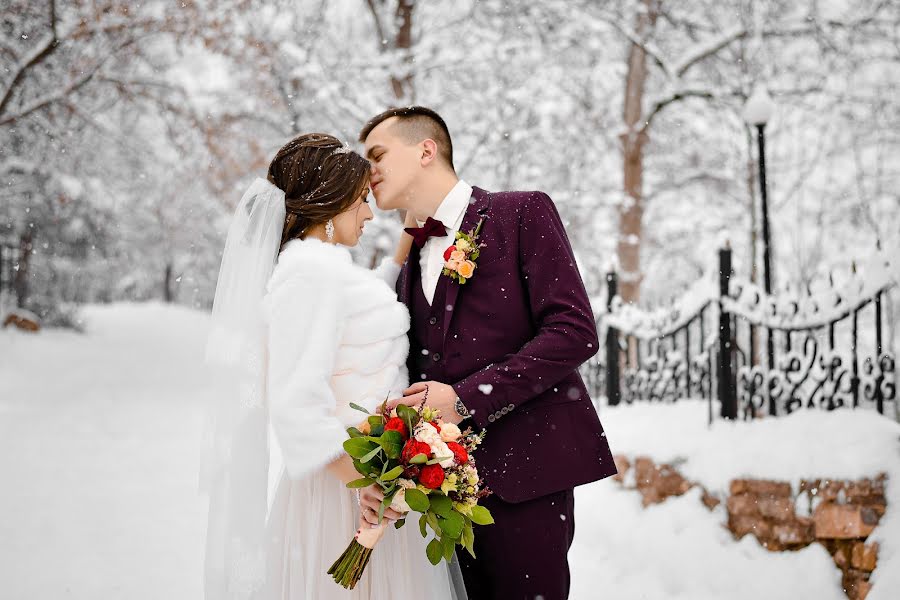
(336, 335)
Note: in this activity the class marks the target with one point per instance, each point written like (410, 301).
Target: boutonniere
(460, 258)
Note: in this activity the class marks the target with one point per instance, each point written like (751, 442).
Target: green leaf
(377, 431)
(375, 420)
(358, 447)
(468, 538)
(372, 454)
(419, 459)
(359, 408)
(353, 432)
(481, 516)
(400, 523)
(360, 483)
(392, 442)
(453, 525)
(437, 459)
(417, 500)
(434, 551)
(393, 473)
(422, 521)
(441, 505)
(388, 498)
(449, 545)
(433, 523)
(409, 416)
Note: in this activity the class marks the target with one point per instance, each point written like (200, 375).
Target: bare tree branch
(35, 57)
(707, 49)
(648, 47)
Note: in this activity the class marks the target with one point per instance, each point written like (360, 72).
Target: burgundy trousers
(523, 555)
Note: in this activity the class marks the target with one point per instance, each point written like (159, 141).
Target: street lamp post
(757, 112)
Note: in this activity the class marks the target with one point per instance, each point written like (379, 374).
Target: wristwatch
(461, 409)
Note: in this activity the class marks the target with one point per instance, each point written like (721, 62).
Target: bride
(299, 333)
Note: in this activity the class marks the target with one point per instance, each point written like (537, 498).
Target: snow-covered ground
(99, 455)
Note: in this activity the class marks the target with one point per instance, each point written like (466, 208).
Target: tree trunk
(168, 292)
(635, 138)
(20, 282)
(399, 41)
(402, 84)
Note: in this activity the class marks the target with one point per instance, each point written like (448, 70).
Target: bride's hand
(404, 244)
(369, 501)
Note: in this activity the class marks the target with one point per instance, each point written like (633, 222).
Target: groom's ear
(429, 151)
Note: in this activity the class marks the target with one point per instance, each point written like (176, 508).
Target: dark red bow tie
(432, 227)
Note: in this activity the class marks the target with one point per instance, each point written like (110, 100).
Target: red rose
(449, 251)
(432, 476)
(459, 453)
(397, 424)
(413, 447)
(435, 425)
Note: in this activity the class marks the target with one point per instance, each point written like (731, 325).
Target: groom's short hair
(414, 124)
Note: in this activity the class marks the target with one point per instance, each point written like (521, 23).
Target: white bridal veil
(236, 471)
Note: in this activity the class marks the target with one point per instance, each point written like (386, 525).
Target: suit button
(491, 418)
(504, 411)
(436, 356)
(432, 320)
(511, 406)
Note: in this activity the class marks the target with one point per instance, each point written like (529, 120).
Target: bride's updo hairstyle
(320, 178)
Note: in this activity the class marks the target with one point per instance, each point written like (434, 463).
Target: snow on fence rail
(728, 342)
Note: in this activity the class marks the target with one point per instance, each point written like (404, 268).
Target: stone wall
(839, 515)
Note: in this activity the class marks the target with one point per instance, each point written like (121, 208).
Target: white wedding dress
(336, 335)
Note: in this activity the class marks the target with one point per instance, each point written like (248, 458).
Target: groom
(499, 352)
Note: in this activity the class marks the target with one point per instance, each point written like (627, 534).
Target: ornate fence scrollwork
(828, 346)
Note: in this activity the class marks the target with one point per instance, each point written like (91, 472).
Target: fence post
(613, 391)
(725, 376)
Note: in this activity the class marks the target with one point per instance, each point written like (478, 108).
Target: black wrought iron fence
(824, 349)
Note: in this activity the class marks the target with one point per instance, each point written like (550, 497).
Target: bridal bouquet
(422, 465)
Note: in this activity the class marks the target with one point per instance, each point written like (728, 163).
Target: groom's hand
(440, 396)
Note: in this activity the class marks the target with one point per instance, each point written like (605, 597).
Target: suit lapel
(477, 210)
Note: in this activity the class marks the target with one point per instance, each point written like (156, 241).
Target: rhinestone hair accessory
(342, 150)
(329, 229)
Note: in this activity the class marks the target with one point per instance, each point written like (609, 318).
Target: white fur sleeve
(388, 271)
(304, 330)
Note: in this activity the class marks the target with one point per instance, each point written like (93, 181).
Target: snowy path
(98, 460)
(99, 446)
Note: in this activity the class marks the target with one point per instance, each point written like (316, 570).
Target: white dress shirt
(451, 212)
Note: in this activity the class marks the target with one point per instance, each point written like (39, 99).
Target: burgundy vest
(426, 334)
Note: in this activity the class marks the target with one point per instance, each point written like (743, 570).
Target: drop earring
(329, 230)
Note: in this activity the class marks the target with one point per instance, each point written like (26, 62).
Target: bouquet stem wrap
(348, 569)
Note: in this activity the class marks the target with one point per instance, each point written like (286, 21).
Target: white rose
(450, 432)
(439, 448)
(427, 434)
(399, 502)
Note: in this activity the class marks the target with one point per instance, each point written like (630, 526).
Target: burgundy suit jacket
(510, 343)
